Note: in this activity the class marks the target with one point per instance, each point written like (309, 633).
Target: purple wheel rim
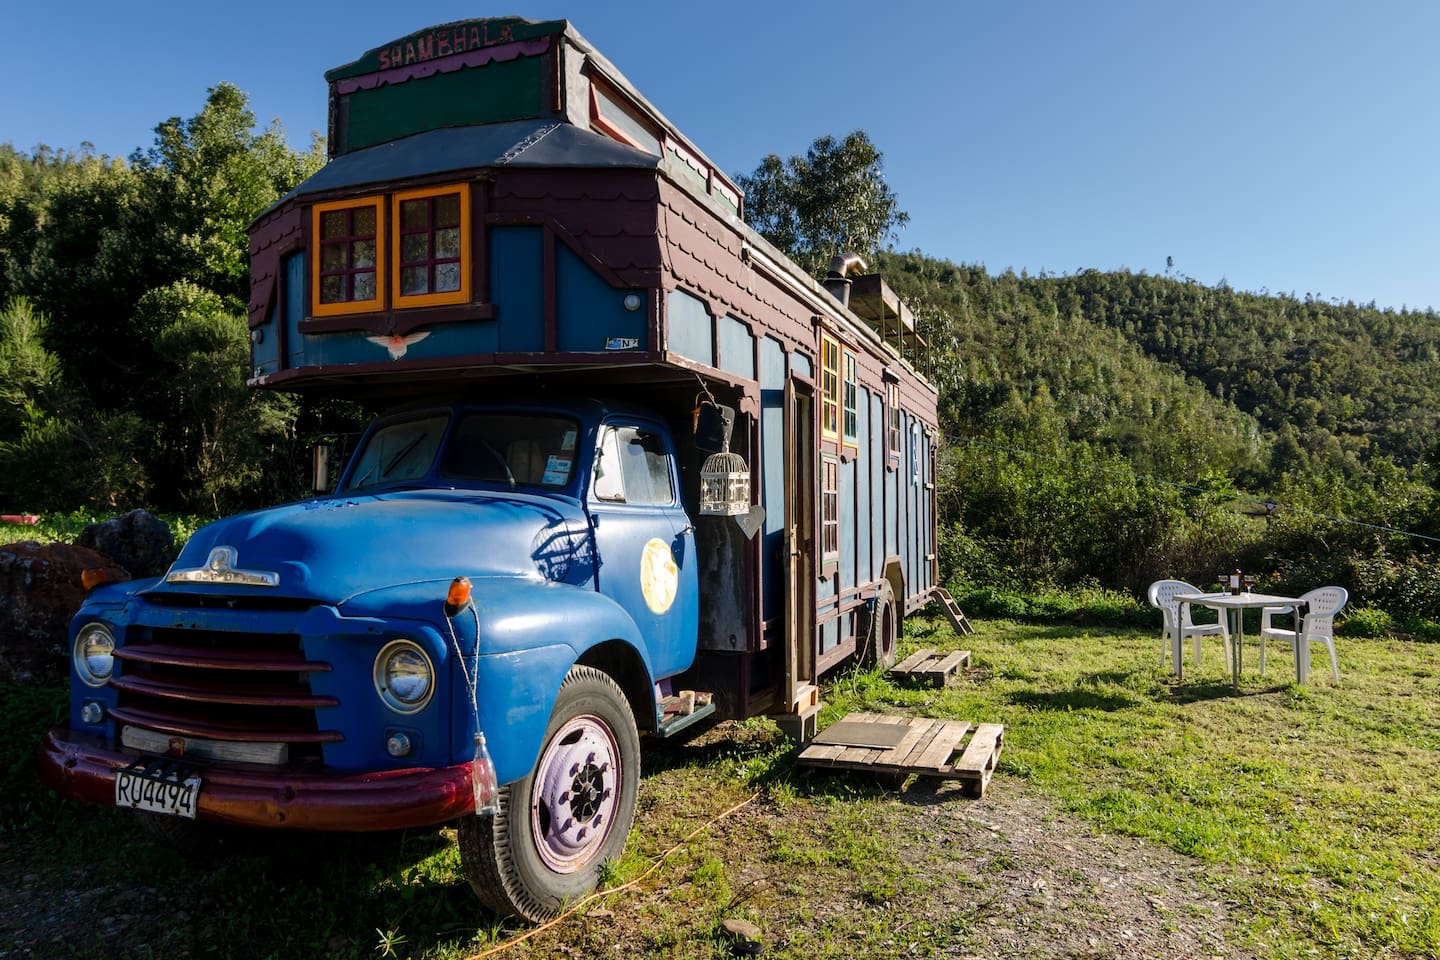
(575, 793)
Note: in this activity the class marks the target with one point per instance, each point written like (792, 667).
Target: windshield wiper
(404, 452)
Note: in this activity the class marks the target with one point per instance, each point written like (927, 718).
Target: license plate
(159, 787)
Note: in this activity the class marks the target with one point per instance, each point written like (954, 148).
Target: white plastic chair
(1317, 624)
(1162, 594)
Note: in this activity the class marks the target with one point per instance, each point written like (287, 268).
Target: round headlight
(94, 654)
(404, 677)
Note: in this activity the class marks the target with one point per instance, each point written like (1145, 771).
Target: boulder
(40, 590)
(138, 541)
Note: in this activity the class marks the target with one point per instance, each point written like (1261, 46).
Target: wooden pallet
(930, 667)
(927, 748)
(953, 613)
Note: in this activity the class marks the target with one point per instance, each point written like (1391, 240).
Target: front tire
(558, 825)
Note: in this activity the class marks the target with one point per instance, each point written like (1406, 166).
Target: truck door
(644, 540)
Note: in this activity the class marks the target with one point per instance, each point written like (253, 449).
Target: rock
(40, 591)
(138, 541)
(745, 936)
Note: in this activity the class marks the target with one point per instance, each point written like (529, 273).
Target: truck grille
(210, 686)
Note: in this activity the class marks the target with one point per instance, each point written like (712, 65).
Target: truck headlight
(94, 654)
(404, 677)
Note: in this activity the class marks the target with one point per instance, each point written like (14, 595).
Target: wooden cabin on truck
(640, 470)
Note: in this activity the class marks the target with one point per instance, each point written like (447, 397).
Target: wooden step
(945, 749)
(953, 613)
(929, 667)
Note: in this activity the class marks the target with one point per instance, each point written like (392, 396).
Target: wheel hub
(573, 801)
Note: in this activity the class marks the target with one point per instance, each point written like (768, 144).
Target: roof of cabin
(518, 143)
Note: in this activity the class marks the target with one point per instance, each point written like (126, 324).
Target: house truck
(639, 473)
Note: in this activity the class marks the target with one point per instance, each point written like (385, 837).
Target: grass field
(1316, 808)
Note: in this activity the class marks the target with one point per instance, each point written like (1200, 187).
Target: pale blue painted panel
(689, 327)
(737, 348)
(772, 474)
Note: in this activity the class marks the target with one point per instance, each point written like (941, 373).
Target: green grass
(1318, 807)
(1326, 797)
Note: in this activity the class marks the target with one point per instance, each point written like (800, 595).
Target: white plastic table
(1232, 606)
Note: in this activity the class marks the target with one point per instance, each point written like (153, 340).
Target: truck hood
(335, 548)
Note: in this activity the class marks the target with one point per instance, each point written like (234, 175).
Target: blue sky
(1288, 146)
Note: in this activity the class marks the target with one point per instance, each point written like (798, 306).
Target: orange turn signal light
(94, 577)
(457, 597)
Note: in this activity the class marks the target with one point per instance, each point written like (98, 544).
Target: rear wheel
(557, 826)
(881, 633)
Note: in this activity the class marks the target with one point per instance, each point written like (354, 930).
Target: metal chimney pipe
(835, 280)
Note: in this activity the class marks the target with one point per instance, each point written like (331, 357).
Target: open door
(800, 692)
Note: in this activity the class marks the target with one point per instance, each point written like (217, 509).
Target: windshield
(398, 451)
(517, 449)
(510, 449)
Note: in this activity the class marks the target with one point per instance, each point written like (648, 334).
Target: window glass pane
(414, 280)
(362, 254)
(364, 286)
(332, 289)
(447, 210)
(415, 247)
(364, 222)
(447, 277)
(332, 224)
(447, 244)
(332, 257)
(400, 451)
(609, 477)
(646, 466)
(414, 214)
(512, 449)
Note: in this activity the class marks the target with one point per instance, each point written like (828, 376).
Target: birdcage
(724, 485)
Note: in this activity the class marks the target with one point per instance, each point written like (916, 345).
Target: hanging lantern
(724, 485)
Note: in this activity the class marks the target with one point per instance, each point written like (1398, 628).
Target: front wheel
(557, 826)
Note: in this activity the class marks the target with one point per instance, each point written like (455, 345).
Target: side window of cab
(632, 465)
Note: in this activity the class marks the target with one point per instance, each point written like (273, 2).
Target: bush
(1368, 622)
(1088, 603)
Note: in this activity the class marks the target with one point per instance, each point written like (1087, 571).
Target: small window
(349, 236)
(896, 431)
(633, 466)
(614, 118)
(432, 244)
(829, 388)
(851, 398)
(829, 507)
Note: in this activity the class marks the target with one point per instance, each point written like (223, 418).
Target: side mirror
(320, 467)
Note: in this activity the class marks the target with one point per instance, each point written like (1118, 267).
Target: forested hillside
(1102, 427)
(1118, 427)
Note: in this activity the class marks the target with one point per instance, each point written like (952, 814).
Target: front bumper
(83, 766)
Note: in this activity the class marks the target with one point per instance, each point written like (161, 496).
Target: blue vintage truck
(638, 471)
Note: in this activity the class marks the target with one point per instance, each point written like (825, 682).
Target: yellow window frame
(318, 309)
(829, 388)
(448, 296)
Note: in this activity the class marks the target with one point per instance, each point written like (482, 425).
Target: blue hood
(332, 549)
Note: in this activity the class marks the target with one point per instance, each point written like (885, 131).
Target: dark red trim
(398, 322)
(82, 767)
